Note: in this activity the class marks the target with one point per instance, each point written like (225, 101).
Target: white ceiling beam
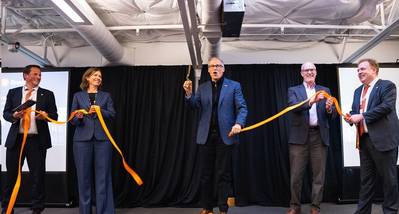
(382, 14)
(303, 26)
(3, 11)
(30, 8)
(394, 8)
(343, 35)
(179, 27)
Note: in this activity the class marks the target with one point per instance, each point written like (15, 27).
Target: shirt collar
(34, 89)
(307, 87)
(371, 85)
(218, 82)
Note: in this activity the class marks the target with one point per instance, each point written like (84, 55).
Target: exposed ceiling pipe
(373, 42)
(341, 56)
(50, 39)
(178, 27)
(17, 47)
(96, 34)
(195, 32)
(187, 31)
(212, 31)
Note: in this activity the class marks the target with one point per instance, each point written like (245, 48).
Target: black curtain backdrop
(156, 132)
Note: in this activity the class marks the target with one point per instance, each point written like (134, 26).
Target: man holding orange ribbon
(309, 137)
(374, 113)
(223, 113)
(38, 140)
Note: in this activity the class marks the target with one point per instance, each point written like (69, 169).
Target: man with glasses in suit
(223, 113)
(309, 137)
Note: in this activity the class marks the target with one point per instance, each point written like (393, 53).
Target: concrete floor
(326, 208)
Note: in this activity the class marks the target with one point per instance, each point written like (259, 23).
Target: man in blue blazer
(223, 112)
(374, 113)
(309, 137)
(38, 140)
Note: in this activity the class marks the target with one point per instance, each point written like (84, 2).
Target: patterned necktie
(27, 96)
(362, 107)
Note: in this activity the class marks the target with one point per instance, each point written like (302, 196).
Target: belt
(314, 127)
(29, 135)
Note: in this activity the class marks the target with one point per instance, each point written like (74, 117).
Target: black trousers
(35, 155)
(373, 162)
(216, 166)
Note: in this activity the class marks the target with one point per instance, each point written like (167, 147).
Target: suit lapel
(318, 104)
(18, 95)
(99, 98)
(302, 92)
(39, 99)
(357, 99)
(225, 86)
(371, 96)
(85, 100)
(208, 93)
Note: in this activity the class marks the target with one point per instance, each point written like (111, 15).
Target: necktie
(27, 96)
(362, 107)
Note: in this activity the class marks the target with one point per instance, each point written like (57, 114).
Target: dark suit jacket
(45, 102)
(232, 109)
(299, 123)
(89, 125)
(381, 119)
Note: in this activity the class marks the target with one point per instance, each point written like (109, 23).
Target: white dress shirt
(310, 91)
(33, 127)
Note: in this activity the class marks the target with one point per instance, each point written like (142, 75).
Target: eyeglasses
(216, 66)
(309, 70)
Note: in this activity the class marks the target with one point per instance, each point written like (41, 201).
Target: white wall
(286, 53)
(236, 52)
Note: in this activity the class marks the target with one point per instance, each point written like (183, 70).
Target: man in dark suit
(374, 113)
(309, 137)
(223, 112)
(38, 140)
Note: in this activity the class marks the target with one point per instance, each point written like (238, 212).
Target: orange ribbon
(26, 124)
(290, 108)
(134, 175)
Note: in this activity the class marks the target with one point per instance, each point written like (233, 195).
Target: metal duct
(97, 34)
(187, 32)
(211, 18)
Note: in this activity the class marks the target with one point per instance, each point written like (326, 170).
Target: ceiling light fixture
(71, 12)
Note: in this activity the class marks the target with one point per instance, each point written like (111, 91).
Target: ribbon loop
(26, 123)
(290, 108)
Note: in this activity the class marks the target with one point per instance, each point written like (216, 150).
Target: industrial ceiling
(108, 25)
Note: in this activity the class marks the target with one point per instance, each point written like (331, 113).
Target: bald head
(308, 73)
(307, 65)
